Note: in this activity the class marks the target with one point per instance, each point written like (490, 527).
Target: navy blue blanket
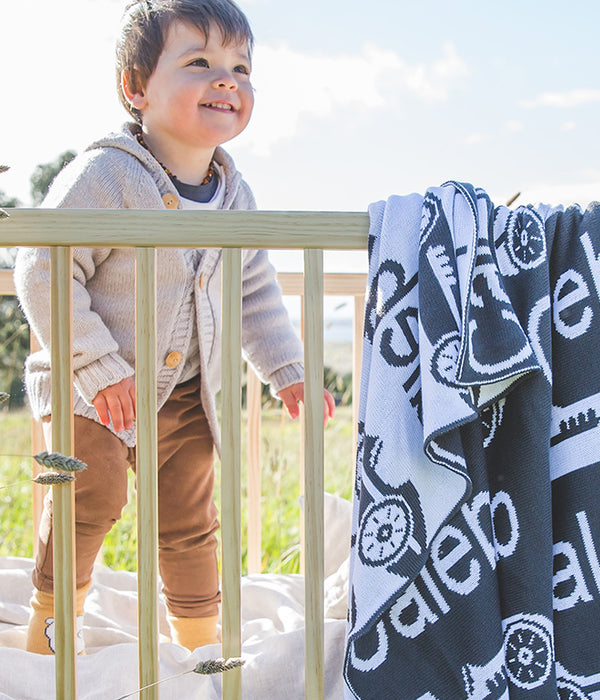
(475, 564)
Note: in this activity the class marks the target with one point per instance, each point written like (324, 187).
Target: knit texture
(115, 173)
(474, 560)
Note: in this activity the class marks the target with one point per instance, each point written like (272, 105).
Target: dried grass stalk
(51, 478)
(204, 668)
(4, 396)
(54, 460)
(211, 666)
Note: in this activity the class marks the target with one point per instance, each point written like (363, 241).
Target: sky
(355, 100)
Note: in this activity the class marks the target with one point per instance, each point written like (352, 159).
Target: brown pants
(187, 517)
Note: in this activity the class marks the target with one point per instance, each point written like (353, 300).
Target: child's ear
(134, 94)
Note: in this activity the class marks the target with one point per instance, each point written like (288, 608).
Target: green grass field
(280, 490)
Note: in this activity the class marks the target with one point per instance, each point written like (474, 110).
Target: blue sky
(355, 100)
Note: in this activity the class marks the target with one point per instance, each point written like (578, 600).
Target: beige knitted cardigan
(117, 172)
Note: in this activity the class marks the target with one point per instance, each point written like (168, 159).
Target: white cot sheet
(272, 633)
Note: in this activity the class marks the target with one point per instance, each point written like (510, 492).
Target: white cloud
(475, 138)
(570, 98)
(291, 86)
(513, 126)
(568, 126)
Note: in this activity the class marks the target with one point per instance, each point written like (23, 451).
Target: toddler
(183, 69)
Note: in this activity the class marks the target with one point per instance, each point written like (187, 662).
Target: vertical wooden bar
(253, 405)
(147, 471)
(314, 480)
(63, 495)
(231, 419)
(358, 328)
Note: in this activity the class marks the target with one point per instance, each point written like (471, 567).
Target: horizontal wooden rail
(185, 229)
(342, 284)
(292, 283)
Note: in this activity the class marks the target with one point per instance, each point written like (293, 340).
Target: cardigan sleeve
(269, 340)
(87, 183)
(96, 359)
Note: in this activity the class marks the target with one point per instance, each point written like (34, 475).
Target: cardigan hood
(117, 172)
(125, 140)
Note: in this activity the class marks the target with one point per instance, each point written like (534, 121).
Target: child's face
(199, 94)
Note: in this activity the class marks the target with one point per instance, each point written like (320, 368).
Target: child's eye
(242, 69)
(199, 62)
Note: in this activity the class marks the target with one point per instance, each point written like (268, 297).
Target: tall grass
(280, 452)
(16, 511)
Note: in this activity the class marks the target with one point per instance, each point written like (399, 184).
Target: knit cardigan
(116, 173)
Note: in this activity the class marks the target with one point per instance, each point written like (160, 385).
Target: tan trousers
(187, 514)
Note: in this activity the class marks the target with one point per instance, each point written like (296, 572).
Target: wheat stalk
(220, 665)
(46, 479)
(65, 466)
(51, 478)
(204, 668)
(55, 460)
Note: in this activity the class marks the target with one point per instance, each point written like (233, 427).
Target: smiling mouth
(219, 105)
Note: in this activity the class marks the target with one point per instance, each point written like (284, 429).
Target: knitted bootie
(193, 632)
(40, 633)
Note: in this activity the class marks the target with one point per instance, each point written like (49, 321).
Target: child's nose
(225, 80)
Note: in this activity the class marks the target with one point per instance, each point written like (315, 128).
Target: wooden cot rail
(145, 231)
(185, 229)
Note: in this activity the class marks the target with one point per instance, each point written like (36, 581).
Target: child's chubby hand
(294, 394)
(117, 402)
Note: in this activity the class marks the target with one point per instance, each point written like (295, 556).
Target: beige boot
(40, 633)
(193, 632)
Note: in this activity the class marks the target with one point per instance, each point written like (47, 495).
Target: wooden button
(202, 280)
(173, 359)
(170, 200)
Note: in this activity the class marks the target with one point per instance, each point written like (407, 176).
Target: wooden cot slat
(314, 483)
(231, 421)
(63, 495)
(147, 471)
(7, 285)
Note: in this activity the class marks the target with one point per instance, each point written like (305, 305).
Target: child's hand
(293, 394)
(117, 402)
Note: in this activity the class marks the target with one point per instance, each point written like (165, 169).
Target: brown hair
(145, 27)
